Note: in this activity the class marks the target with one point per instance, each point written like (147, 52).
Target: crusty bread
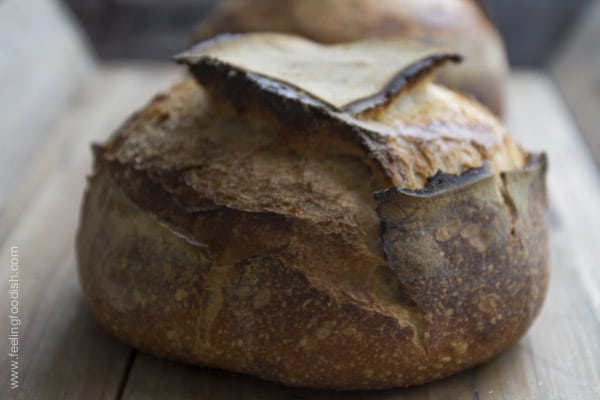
(263, 221)
(458, 24)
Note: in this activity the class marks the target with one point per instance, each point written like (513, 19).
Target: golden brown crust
(228, 226)
(460, 25)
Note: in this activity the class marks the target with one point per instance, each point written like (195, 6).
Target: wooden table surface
(65, 354)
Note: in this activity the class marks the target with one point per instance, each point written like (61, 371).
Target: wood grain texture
(576, 69)
(64, 354)
(43, 61)
(540, 120)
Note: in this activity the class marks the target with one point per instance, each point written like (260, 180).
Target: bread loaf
(323, 216)
(457, 24)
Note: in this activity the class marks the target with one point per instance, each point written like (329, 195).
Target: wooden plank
(63, 352)
(129, 86)
(42, 62)
(576, 68)
(540, 120)
(560, 356)
(94, 95)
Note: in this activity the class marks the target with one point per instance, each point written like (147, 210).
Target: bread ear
(349, 78)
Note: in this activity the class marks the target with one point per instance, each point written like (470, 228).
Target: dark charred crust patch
(440, 183)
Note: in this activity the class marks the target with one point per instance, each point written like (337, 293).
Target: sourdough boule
(322, 216)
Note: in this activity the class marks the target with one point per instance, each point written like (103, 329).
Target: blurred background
(157, 28)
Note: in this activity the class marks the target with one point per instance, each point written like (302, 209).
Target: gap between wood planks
(125, 377)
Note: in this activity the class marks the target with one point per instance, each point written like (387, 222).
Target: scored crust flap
(350, 78)
(486, 251)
